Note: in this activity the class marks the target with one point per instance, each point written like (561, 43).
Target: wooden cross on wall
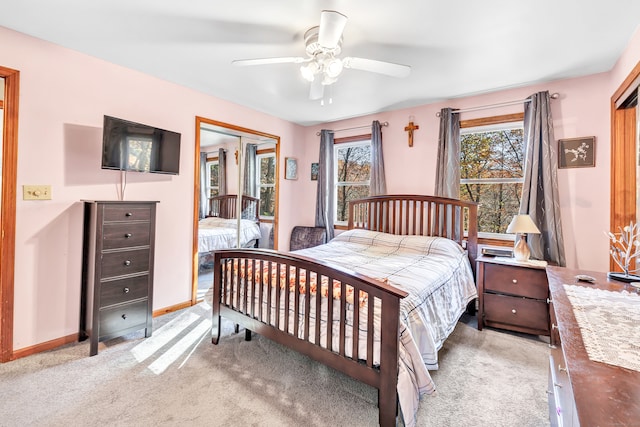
(410, 128)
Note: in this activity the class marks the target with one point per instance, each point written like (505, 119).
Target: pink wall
(63, 97)
(64, 94)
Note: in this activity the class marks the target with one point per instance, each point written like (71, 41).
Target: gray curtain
(325, 203)
(378, 184)
(250, 181)
(448, 163)
(540, 197)
(222, 171)
(204, 194)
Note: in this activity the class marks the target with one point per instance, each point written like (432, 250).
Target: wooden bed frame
(225, 206)
(396, 214)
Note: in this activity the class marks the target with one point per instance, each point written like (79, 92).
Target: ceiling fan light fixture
(309, 70)
(333, 67)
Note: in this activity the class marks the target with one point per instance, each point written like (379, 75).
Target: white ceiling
(455, 48)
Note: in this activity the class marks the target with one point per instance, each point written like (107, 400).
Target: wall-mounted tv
(131, 146)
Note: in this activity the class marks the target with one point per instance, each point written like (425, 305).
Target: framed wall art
(290, 168)
(577, 152)
(314, 171)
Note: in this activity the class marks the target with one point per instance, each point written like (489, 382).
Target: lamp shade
(522, 224)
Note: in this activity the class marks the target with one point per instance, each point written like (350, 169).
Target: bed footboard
(281, 296)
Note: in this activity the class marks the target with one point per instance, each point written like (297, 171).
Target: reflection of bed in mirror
(219, 230)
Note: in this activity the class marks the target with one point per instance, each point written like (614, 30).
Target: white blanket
(222, 233)
(437, 275)
(434, 271)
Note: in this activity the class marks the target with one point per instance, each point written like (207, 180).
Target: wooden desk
(604, 395)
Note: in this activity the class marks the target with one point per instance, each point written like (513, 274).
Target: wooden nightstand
(513, 295)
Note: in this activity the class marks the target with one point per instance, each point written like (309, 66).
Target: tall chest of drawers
(117, 269)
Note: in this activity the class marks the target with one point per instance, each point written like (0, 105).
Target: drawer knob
(126, 290)
(124, 316)
(561, 369)
(127, 235)
(127, 262)
(557, 385)
(128, 214)
(553, 326)
(515, 281)
(513, 310)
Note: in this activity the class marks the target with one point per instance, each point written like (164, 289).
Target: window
(213, 177)
(492, 173)
(352, 164)
(266, 170)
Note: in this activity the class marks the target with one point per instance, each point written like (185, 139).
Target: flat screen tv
(131, 146)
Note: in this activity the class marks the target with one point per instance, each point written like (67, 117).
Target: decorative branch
(625, 247)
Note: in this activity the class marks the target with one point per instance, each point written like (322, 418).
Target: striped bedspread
(434, 271)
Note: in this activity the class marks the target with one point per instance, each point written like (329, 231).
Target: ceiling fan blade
(381, 67)
(332, 25)
(263, 61)
(317, 89)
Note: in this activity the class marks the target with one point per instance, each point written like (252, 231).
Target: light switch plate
(36, 192)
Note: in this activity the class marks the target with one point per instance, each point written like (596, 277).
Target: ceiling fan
(322, 66)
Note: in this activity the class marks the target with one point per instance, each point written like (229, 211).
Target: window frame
(260, 155)
(487, 124)
(339, 143)
(210, 161)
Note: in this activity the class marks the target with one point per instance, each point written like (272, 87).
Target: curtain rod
(356, 127)
(500, 104)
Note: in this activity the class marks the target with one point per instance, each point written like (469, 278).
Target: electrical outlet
(36, 192)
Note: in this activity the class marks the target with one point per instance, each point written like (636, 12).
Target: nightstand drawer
(123, 290)
(522, 312)
(122, 263)
(115, 320)
(127, 212)
(526, 282)
(125, 235)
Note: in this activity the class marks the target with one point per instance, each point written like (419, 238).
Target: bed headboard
(419, 215)
(225, 206)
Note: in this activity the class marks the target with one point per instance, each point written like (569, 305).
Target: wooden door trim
(8, 214)
(623, 146)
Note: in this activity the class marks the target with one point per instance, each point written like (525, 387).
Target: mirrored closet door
(236, 194)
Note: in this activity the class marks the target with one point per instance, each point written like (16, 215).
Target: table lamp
(523, 225)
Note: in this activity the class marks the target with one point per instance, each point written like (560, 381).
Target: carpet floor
(178, 378)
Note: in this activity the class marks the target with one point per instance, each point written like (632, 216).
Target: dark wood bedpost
(215, 303)
(389, 341)
(472, 235)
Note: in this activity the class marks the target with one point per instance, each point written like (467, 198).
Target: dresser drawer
(123, 290)
(125, 262)
(522, 312)
(562, 408)
(124, 235)
(524, 282)
(127, 212)
(114, 320)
